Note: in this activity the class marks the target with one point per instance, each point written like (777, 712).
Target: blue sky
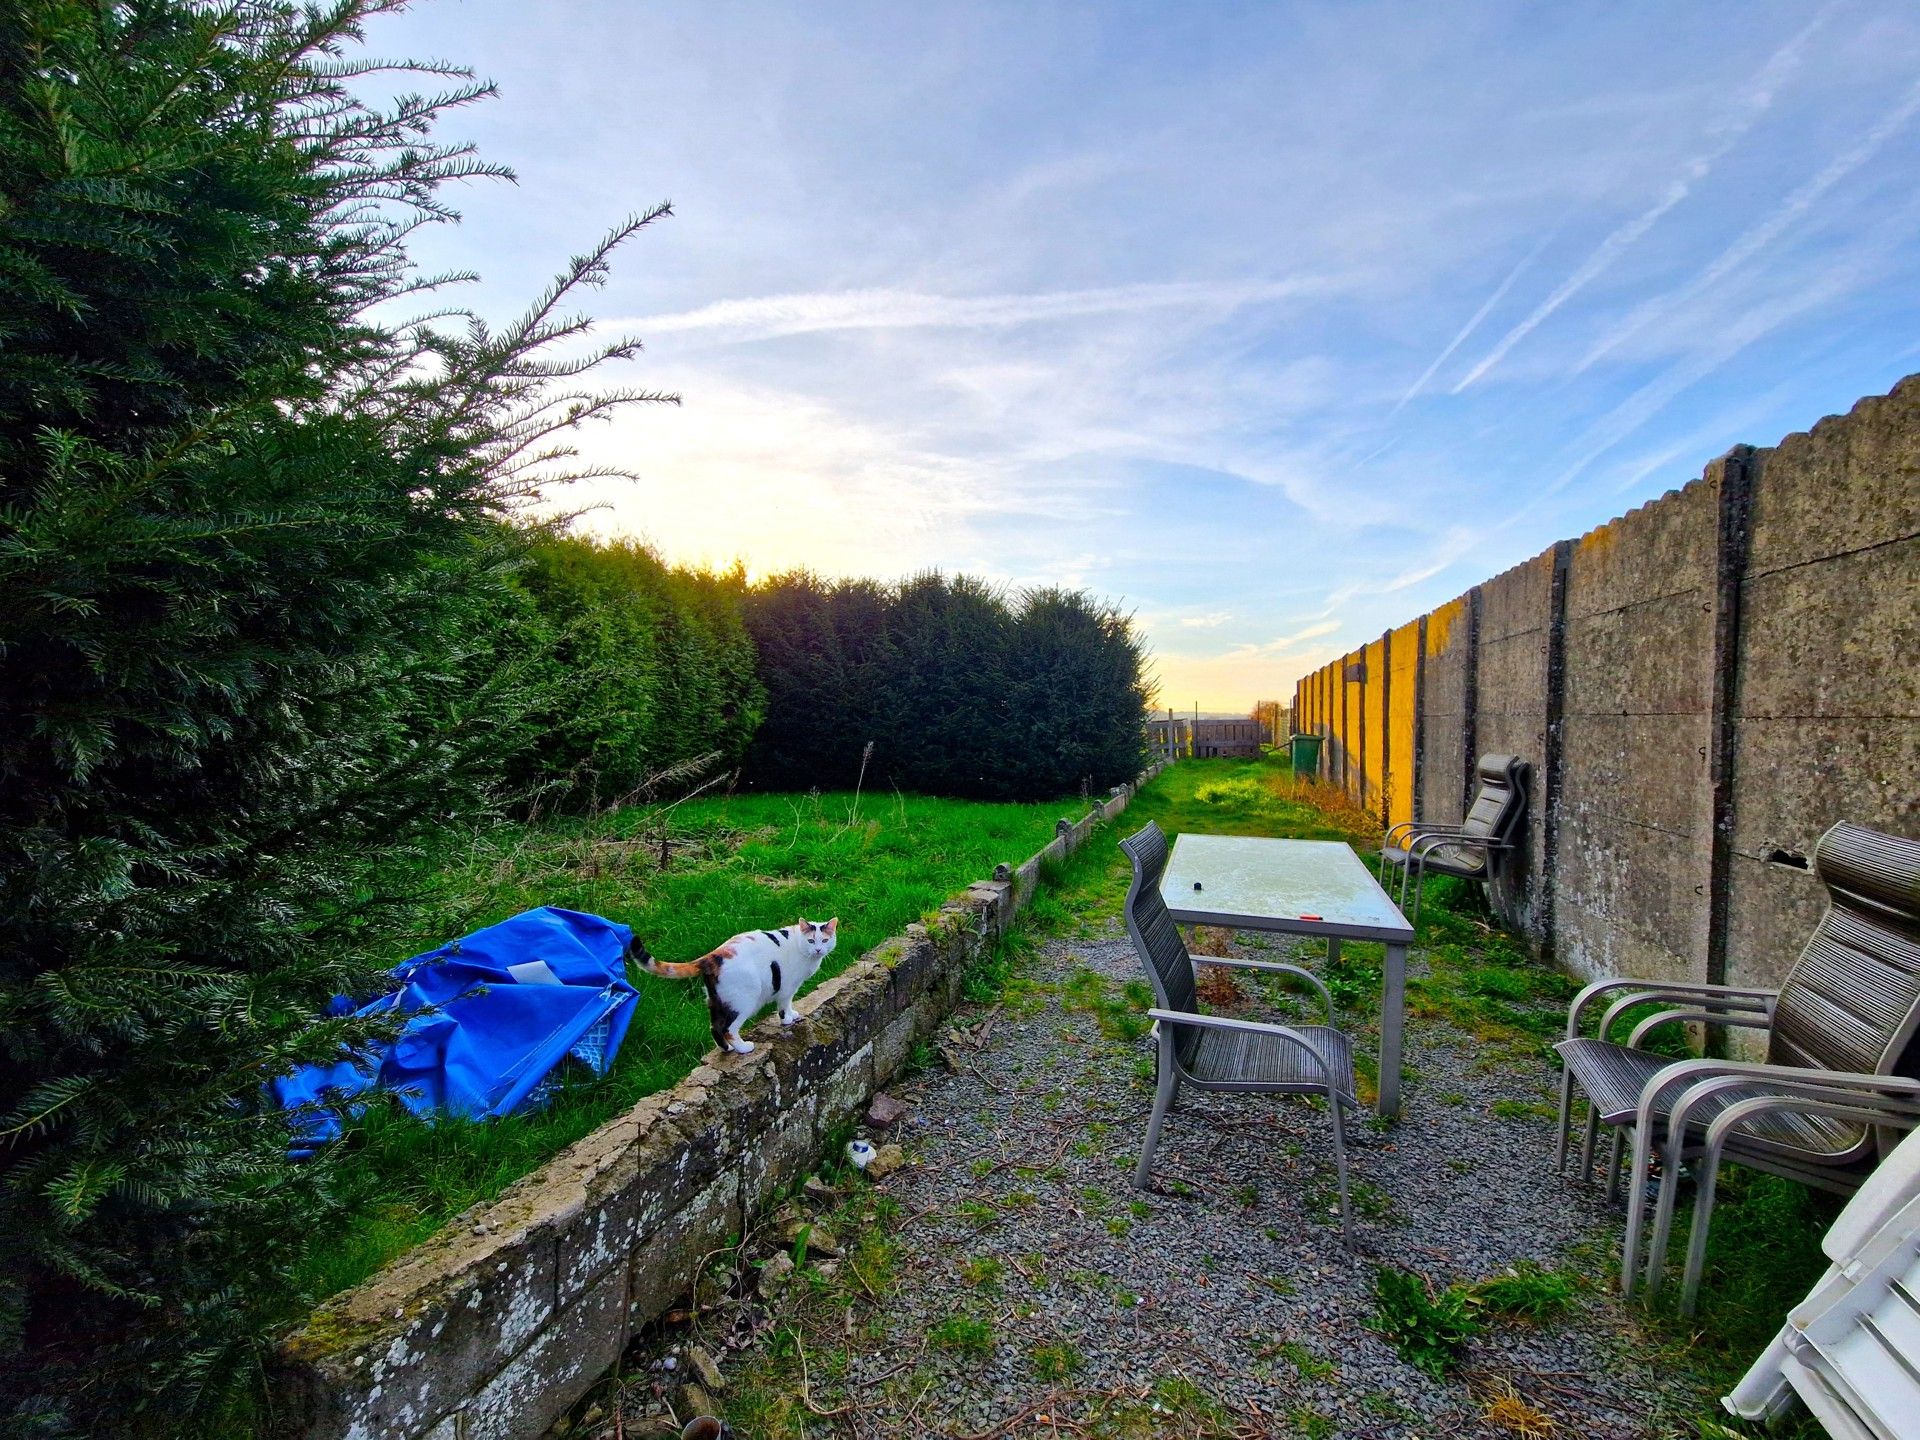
(1277, 323)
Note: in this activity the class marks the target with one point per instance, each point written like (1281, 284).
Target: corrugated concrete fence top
(1702, 686)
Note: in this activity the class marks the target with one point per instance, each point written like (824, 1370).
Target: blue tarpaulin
(493, 1013)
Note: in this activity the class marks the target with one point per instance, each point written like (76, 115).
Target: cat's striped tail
(665, 969)
(671, 970)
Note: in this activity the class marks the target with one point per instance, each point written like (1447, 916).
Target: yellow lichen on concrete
(1440, 625)
(1402, 717)
(1375, 691)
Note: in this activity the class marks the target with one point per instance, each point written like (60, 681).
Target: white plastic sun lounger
(1851, 1349)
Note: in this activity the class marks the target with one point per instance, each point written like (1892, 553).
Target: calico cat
(749, 970)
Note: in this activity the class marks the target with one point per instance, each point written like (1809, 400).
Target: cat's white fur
(752, 968)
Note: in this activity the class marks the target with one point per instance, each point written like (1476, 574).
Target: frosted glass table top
(1307, 887)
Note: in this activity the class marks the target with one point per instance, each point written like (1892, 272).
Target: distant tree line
(637, 673)
(959, 687)
(946, 685)
(273, 630)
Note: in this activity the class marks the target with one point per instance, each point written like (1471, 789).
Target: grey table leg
(1393, 1015)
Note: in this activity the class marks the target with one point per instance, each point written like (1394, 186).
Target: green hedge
(643, 671)
(960, 688)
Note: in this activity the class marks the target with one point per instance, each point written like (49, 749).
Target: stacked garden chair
(1837, 1088)
(1469, 849)
(1849, 1349)
(1216, 1052)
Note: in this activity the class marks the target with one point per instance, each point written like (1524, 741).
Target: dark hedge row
(641, 671)
(960, 688)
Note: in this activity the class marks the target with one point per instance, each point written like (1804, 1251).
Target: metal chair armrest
(1425, 844)
(1737, 1114)
(1416, 828)
(1225, 1022)
(1732, 1004)
(1682, 990)
(1731, 1020)
(1701, 1075)
(1809, 1099)
(1273, 965)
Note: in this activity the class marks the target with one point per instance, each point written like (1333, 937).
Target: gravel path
(1032, 1280)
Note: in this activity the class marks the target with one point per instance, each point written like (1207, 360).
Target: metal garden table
(1297, 887)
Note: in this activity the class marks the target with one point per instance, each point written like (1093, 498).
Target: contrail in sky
(773, 315)
(1474, 324)
(1758, 101)
(1753, 241)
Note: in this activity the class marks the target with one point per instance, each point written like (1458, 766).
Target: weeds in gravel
(1306, 1364)
(1369, 1201)
(1184, 1402)
(1504, 1408)
(1526, 1291)
(1378, 1402)
(1522, 1110)
(965, 1334)
(1428, 1327)
(982, 1272)
(979, 1213)
(1054, 1361)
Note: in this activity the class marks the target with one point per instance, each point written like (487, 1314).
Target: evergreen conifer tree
(248, 549)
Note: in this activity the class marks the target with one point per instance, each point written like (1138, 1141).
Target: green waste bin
(1306, 754)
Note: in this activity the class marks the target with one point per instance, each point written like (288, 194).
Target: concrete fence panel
(1633, 846)
(1826, 715)
(1373, 727)
(1702, 686)
(1401, 728)
(1443, 720)
(1511, 717)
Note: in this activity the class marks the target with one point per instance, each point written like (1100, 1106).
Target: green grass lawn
(732, 863)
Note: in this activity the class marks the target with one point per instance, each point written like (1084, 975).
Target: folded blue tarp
(493, 1013)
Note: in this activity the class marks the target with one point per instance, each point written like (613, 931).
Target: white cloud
(1285, 645)
(767, 316)
(781, 480)
(1211, 621)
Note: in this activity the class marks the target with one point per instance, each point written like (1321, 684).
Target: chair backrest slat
(1499, 797)
(1154, 934)
(1852, 1000)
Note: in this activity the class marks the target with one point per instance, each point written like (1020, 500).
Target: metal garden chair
(1215, 1052)
(1470, 848)
(1836, 1087)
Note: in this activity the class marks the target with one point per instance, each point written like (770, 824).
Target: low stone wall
(496, 1325)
